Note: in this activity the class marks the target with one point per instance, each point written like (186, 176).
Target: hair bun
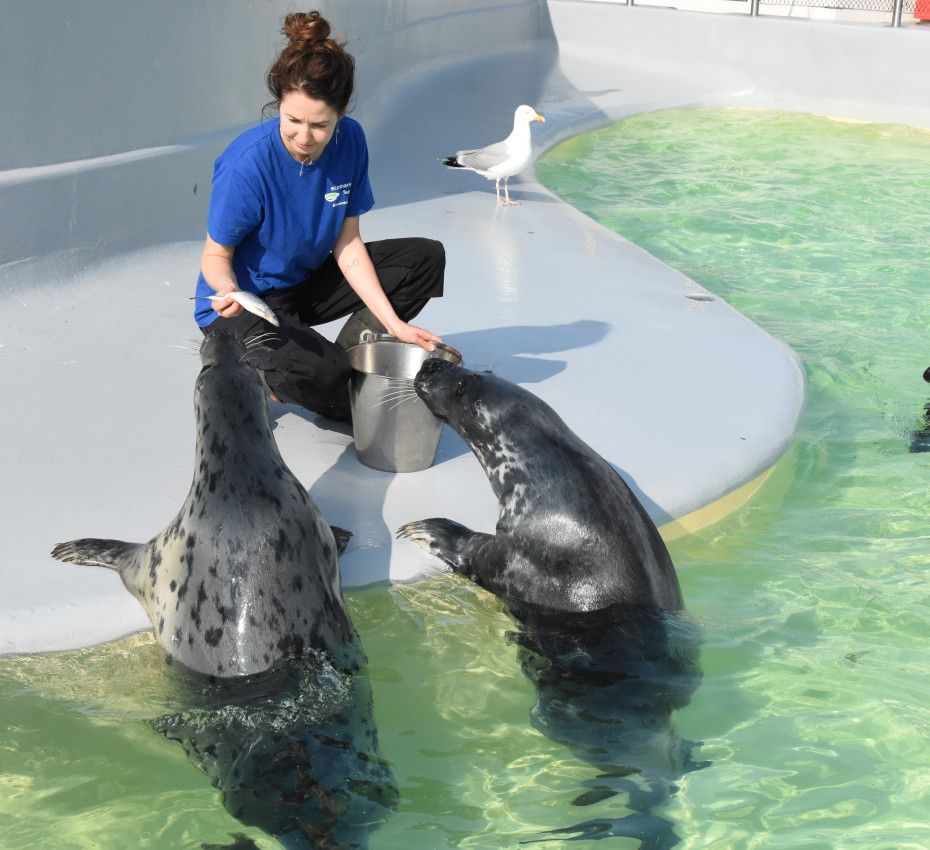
(303, 29)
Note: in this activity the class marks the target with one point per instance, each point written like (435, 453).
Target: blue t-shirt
(280, 216)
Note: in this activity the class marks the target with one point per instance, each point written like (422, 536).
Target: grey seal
(571, 534)
(244, 592)
(584, 572)
(246, 573)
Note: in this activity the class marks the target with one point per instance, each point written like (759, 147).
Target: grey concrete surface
(104, 180)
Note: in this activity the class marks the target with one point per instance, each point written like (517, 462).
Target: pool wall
(113, 114)
(849, 70)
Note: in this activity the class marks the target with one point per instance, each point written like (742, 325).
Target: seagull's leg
(507, 201)
(497, 188)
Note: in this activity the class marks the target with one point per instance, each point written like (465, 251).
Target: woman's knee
(434, 254)
(431, 269)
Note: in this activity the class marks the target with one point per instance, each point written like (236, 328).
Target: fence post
(896, 11)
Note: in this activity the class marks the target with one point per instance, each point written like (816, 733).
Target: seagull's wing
(484, 158)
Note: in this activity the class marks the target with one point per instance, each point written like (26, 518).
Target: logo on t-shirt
(335, 192)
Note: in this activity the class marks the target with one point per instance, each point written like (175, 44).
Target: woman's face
(307, 125)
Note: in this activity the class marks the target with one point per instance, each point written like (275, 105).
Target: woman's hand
(418, 336)
(227, 308)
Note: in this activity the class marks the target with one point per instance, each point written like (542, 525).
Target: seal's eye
(460, 389)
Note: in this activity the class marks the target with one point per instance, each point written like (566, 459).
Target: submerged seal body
(589, 581)
(920, 438)
(246, 573)
(571, 535)
(607, 684)
(293, 751)
(243, 589)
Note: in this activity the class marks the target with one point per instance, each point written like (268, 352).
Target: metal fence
(854, 5)
(878, 11)
(896, 9)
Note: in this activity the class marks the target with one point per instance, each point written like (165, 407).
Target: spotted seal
(571, 534)
(589, 581)
(243, 590)
(246, 573)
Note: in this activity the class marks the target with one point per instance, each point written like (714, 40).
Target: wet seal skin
(584, 572)
(246, 573)
(243, 590)
(571, 535)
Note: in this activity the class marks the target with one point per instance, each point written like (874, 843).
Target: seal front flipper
(447, 540)
(94, 552)
(342, 538)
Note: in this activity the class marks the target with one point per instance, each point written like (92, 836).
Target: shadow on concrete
(510, 351)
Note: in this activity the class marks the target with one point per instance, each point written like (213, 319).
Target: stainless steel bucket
(394, 430)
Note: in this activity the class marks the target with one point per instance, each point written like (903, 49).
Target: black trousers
(303, 367)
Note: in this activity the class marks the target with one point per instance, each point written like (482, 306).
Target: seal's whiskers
(393, 392)
(396, 398)
(394, 401)
(398, 389)
(259, 339)
(191, 346)
(403, 401)
(256, 343)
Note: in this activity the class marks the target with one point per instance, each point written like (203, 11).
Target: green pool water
(814, 598)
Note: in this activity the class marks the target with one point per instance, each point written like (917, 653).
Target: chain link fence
(893, 12)
(854, 5)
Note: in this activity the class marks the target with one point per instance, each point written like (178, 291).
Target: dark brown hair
(312, 63)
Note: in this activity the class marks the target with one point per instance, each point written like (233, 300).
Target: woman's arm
(353, 261)
(216, 265)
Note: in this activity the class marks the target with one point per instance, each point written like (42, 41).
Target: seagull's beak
(539, 118)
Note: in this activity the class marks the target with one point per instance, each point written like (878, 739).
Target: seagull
(501, 160)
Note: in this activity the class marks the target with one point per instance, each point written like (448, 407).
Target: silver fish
(249, 302)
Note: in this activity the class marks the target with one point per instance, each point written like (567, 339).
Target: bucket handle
(369, 335)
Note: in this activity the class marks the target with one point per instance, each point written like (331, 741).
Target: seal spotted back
(246, 573)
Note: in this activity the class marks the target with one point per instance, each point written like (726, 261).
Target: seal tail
(94, 552)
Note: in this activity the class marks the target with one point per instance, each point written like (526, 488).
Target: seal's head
(226, 369)
(471, 402)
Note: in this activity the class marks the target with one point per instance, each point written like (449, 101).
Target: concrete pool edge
(32, 626)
